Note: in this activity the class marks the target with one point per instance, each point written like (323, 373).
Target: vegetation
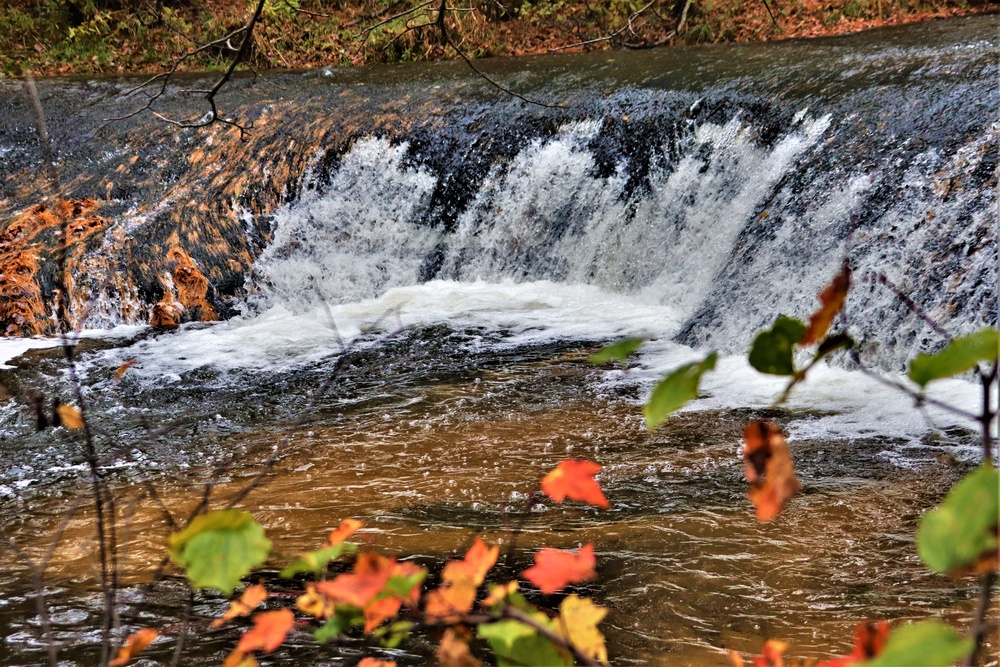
(113, 36)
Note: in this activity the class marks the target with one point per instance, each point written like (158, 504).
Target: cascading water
(470, 252)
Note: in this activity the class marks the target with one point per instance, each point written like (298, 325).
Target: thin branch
(767, 6)
(914, 308)
(557, 639)
(365, 34)
(446, 37)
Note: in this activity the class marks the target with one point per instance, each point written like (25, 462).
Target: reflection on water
(429, 462)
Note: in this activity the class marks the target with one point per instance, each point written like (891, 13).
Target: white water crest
(549, 249)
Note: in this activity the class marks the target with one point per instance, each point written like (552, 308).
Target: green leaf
(675, 390)
(771, 351)
(217, 549)
(316, 561)
(834, 342)
(616, 351)
(963, 529)
(515, 643)
(924, 644)
(960, 355)
(401, 586)
(333, 628)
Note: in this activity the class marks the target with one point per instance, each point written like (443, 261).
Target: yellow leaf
(124, 367)
(239, 659)
(314, 603)
(578, 620)
(70, 416)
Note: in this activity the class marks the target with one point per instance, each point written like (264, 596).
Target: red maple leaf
(574, 479)
(371, 573)
(554, 569)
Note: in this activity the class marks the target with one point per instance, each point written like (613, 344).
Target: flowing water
(412, 299)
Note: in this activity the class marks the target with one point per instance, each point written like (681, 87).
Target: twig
(446, 37)
(767, 6)
(914, 308)
(521, 617)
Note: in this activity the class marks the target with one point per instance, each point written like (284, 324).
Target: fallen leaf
(270, 628)
(579, 618)
(768, 468)
(574, 479)
(134, 645)
(250, 600)
(555, 569)
(346, 528)
(124, 367)
(70, 416)
(453, 651)
(832, 301)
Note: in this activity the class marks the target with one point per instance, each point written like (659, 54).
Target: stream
(410, 274)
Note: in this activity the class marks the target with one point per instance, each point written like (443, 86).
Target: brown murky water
(684, 567)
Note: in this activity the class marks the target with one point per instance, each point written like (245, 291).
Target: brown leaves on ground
(555, 569)
(250, 600)
(574, 479)
(461, 579)
(270, 628)
(768, 468)
(136, 642)
(832, 299)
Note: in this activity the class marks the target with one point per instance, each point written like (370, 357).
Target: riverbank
(51, 37)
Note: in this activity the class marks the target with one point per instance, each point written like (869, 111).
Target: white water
(549, 250)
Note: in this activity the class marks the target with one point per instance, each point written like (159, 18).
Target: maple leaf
(372, 662)
(554, 569)
(479, 560)
(250, 600)
(768, 468)
(574, 479)
(579, 618)
(832, 299)
(268, 632)
(378, 610)
(346, 528)
(371, 573)
(448, 604)
(771, 656)
(455, 597)
(134, 645)
(453, 651)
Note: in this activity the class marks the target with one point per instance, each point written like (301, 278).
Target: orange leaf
(768, 468)
(250, 600)
(449, 604)
(453, 651)
(268, 632)
(70, 416)
(869, 640)
(832, 299)
(554, 569)
(134, 645)
(346, 528)
(771, 656)
(479, 560)
(371, 573)
(372, 662)
(379, 610)
(239, 659)
(574, 479)
(124, 367)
